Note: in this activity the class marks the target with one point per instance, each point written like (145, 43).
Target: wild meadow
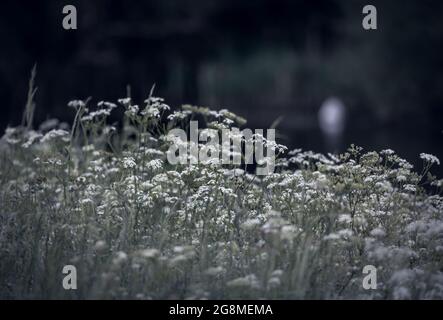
(105, 199)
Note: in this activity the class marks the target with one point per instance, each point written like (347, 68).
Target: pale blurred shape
(331, 117)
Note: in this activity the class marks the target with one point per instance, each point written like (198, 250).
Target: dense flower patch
(106, 200)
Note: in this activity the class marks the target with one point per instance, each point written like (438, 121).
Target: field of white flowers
(106, 200)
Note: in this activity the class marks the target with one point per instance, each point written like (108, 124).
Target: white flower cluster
(108, 201)
(430, 158)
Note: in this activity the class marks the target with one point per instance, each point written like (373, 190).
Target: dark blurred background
(260, 59)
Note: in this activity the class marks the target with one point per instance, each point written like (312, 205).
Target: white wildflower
(124, 101)
(378, 232)
(129, 163)
(76, 104)
(214, 271)
(56, 133)
(32, 137)
(410, 188)
(429, 158)
(155, 164)
(345, 218)
(100, 245)
(249, 281)
(120, 258)
(150, 253)
(387, 152)
(250, 224)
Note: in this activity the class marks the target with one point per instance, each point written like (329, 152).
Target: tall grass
(106, 200)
